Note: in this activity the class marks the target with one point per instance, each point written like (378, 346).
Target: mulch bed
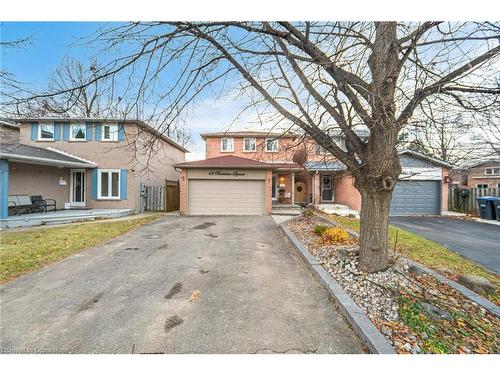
(413, 310)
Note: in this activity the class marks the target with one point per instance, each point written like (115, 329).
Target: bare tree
(318, 76)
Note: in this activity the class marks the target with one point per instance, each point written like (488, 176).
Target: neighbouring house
(84, 162)
(483, 175)
(247, 172)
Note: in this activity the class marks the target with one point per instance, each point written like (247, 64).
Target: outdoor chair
(21, 203)
(41, 204)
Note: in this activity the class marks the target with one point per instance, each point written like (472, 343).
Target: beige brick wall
(28, 179)
(9, 135)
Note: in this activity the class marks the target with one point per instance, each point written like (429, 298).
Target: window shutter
(98, 129)
(93, 180)
(34, 131)
(88, 131)
(123, 184)
(57, 131)
(121, 132)
(65, 131)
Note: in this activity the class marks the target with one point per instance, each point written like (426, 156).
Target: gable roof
(226, 161)
(8, 123)
(141, 123)
(37, 155)
(430, 159)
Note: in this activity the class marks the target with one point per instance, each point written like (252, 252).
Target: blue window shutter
(57, 131)
(65, 131)
(93, 180)
(123, 184)
(88, 130)
(121, 132)
(34, 131)
(98, 129)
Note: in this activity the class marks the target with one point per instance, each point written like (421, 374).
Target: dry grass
(28, 250)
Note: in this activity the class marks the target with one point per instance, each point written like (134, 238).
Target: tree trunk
(375, 205)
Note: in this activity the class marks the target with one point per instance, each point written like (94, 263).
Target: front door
(326, 189)
(300, 192)
(77, 188)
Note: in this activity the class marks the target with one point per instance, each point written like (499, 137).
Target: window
(46, 132)
(249, 144)
(271, 145)
(109, 132)
(108, 184)
(482, 186)
(78, 132)
(492, 171)
(227, 144)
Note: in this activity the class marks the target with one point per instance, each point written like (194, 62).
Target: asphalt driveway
(181, 285)
(478, 242)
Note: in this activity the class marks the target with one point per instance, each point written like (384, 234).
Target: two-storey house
(246, 172)
(84, 162)
(483, 175)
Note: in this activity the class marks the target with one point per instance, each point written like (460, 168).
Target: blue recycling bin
(497, 208)
(487, 207)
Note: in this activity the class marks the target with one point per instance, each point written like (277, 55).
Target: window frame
(110, 184)
(114, 132)
(273, 140)
(72, 139)
(492, 170)
(222, 144)
(39, 138)
(477, 186)
(254, 144)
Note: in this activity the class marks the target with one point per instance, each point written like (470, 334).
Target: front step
(287, 210)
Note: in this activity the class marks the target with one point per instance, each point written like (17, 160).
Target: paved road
(181, 285)
(478, 242)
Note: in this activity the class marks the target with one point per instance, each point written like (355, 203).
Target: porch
(62, 217)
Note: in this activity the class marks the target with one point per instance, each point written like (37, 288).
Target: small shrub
(308, 212)
(336, 235)
(352, 216)
(320, 229)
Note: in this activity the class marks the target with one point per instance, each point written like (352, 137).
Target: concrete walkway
(181, 285)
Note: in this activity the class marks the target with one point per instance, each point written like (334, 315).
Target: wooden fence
(160, 198)
(462, 199)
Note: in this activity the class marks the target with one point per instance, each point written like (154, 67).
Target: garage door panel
(416, 198)
(226, 197)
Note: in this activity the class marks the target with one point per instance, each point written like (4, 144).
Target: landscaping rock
(478, 284)
(444, 270)
(416, 270)
(434, 312)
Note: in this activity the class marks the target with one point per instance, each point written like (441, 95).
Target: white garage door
(226, 197)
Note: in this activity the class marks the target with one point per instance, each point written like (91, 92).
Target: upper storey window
(78, 132)
(109, 132)
(492, 171)
(46, 132)
(249, 144)
(271, 145)
(227, 144)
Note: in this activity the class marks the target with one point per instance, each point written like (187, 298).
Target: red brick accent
(183, 186)
(269, 194)
(346, 193)
(444, 190)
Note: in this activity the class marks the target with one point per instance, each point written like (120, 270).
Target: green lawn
(427, 252)
(28, 250)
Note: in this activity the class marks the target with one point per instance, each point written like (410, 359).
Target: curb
(359, 322)
(473, 296)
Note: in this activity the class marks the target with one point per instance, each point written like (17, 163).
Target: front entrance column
(4, 189)
(316, 188)
(293, 187)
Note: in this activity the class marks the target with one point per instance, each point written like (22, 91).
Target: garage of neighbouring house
(226, 185)
(422, 188)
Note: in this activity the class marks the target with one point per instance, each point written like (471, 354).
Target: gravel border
(360, 323)
(473, 296)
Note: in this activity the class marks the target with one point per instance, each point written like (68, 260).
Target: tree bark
(375, 205)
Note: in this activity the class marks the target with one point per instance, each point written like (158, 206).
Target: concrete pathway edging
(359, 322)
(473, 296)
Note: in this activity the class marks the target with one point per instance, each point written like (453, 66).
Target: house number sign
(220, 172)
